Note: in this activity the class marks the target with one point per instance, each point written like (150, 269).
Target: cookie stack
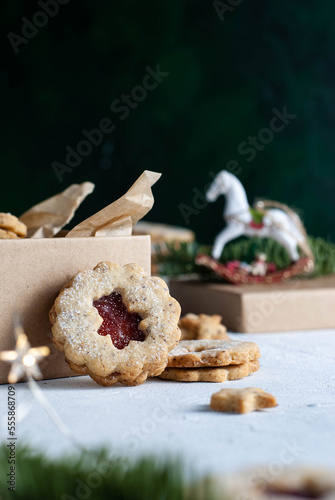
(11, 227)
(211, 361)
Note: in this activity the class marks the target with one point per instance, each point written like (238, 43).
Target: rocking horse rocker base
(303, 266)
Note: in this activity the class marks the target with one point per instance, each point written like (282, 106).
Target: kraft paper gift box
(32, 273)
(33, 270)
(305, 304)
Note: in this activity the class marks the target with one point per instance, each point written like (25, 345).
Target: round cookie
(194, 353)
(12, 223)
(7, 235)
(116, 324)
(216, 374)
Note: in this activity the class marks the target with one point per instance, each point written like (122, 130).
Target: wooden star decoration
(24, 358)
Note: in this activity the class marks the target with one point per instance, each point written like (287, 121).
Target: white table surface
(172, 417)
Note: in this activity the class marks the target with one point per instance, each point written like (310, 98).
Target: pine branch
(96, 476)
(179, 260)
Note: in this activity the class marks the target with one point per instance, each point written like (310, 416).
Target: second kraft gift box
(299, 304)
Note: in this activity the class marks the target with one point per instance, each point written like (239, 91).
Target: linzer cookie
(242, 400)
(11, 225)
(116, 324)
(216, 374)
(202, 326)
(196, 353)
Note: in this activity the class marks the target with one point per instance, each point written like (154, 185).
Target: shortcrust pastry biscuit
(202, 326)
(116, 324)
(302, 483)
(11, 223)
(290, 483)
(7, 235)
(242, 400)
(216, 374)
(195, 353)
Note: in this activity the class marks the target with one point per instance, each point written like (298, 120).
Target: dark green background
(225, 79)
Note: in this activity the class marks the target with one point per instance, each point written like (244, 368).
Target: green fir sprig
(180, 260)
(98, 477)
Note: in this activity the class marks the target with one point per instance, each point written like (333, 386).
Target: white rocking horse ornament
(280, 223)
(276, 223)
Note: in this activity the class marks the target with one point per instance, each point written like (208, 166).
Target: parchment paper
(118, 218)
(48, 217)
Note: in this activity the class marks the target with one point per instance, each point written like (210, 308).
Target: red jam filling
(118, 322)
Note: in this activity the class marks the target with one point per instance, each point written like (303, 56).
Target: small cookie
(290, 483)
(300, 483)
(242, 400)
(194, 353)
(217, 374)
(12, 223)
(202, 326)
(7, 235)
(116, 324)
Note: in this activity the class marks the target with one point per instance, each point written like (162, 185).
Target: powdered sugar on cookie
(76, 323)
(194, 353)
